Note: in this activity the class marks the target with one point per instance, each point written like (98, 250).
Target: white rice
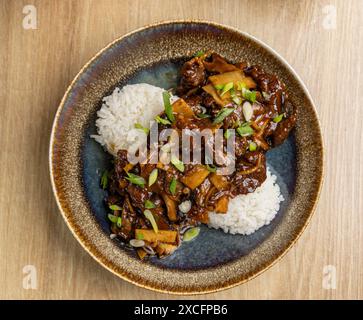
(140, 103)
(247, 213)
(137, 103)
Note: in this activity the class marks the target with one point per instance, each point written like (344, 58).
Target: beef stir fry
(156, 206)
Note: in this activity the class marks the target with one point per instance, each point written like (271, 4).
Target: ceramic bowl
(216, 260)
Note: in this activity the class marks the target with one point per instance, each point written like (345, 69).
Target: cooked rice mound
(140, 103)
(137, 103)
(249, 212)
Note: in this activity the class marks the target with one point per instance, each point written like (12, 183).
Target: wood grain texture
(38, 65)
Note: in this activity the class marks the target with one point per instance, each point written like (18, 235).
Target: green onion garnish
(219, 86)
(140, 236)
(245, 130)
(139, 126)
(227, 133)
(135, 179)
(228, 86)
(115, 207)
(158, 119)
(241, 85)
(203, 115)
(151, 218)
(167, 106)
(112, 218)
(199, 53)
(191, 234)
(153, 176)
(149, 204)
(211, 167)
(247, 110)
(249, 95)
(225, 112)
(252, 146)
(119, 222)
(237, 100)
(177, 163)
(172, 186)
(104, 180)
(136, 243)
(278, 118)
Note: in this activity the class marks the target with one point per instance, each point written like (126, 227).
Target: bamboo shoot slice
(195, 177)
(180, 106)
(167, 236)
(222, 205)
(219, 181)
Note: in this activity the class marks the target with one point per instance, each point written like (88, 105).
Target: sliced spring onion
(252, 146)
(148, 214)
(241, 85)
(228, 86)
(225, 112)
(166, 147)
(278, 118)
(211, 167)
(249, 95)
(112, 218)
(135, 179)
(199, 53)
(153, 176)
(247, 110)
(219, 86)
(148, 249)
(104, 179)
(177, 163)
(203, 115)
(137, 243)
(158, 119)
(149, 204)
(139, 126)
(227, 133)
(237, 100)
(191, 233)
(172, 186)
(119, 222)
(139, 236)
(115, 207)
(167, 106)
(245, 130)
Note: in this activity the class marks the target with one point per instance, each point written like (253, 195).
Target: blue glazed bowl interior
(212, 247)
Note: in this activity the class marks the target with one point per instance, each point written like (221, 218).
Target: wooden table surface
(38, 64)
